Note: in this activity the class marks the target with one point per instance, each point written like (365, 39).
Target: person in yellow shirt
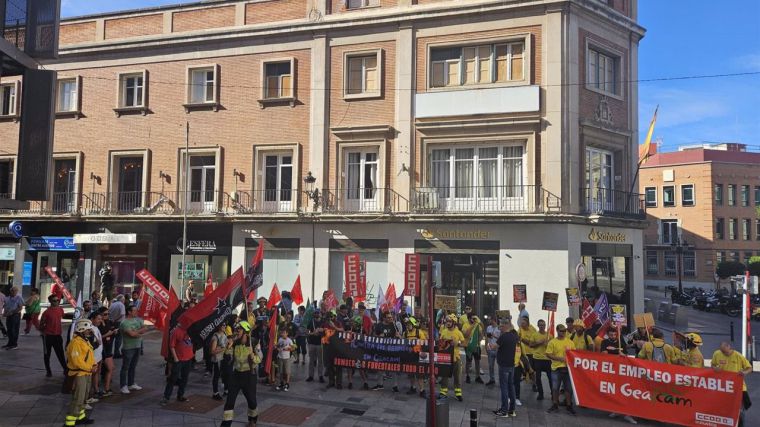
(658, 351)
(81, 365)
(555, 351)
(473, 333)
(526, 333)
(541, 363)
(451, 334)
(580, 338)
(726, 358)
(692, 357)
(413, 332)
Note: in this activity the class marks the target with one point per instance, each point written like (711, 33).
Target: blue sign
(46, 243)
(26, 277)
(16, 229)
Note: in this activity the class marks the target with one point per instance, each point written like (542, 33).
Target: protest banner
(412, 275)
(159, 290)
(351, 350)
(550, 301)
(658, 391)
(520, 293)
(352, 265)
(643, 320)
(444, 302)
(573, 297)
(619, 316)
(60, 286)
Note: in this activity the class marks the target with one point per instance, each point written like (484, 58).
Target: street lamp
(678, 246)
(313, 195)
(311, 192)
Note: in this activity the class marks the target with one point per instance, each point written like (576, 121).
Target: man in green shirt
(132, 330)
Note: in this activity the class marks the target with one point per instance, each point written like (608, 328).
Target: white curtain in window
(353, 171)
(463, 171)
(440, 171)
(487, 171)
(199, 86)
(370, 175)
(513, 171)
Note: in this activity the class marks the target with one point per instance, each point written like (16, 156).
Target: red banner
(150, 282)
(151, 309)
(412, 275)
(658, 391)
(353, 269)
(60, 286)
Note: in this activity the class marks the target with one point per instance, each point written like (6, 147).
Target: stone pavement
(27, 398)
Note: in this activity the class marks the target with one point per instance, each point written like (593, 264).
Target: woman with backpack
(658, 351)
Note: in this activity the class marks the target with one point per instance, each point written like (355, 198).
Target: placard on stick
(642, 320)
(573, 297)
(550, 301)
(619, 316)
(520, 293)
(445, 302)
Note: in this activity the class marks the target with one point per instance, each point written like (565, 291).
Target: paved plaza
(27, 398)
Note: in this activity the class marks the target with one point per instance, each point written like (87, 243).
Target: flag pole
(184, 209)
(647, 143)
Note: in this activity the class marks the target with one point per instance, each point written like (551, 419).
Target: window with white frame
(7, 170)
(8, 100)
(669, 196)
(653, 266)
(358, 4)
(132, 90)
(64, 184)
(603, 71)
(278, 80)
(68, 95)
(278, 177)
(669, 231)
(479, 64)
(650, 197)
(720, 227)
(671, 262)
(687, 195)
(757, 195)
(689, 259)
(718, 194)
(363, 74)
(598, 169)
(733, 229)
(746, 229)
(731, 195)
(745, 195)
(361, 173)
(203, 85)
(482, 171)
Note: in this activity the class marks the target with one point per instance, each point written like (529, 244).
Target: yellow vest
(79, 357)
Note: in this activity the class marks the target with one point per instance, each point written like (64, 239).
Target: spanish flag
(644, 152)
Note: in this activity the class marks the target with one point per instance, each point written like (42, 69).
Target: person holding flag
(246, 354)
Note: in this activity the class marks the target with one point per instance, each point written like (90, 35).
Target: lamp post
(678, 246)
(313, 195)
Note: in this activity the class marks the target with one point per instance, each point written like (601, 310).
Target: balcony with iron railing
(363, 200)
(249, 202)
(613, 203)
(496, 199)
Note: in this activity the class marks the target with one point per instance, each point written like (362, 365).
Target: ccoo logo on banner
(658, 391)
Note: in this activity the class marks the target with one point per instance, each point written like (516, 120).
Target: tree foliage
(754, 266)
(727, 269)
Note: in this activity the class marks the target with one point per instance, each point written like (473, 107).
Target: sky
(684, 38)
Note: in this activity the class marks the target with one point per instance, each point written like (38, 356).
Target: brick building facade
(706, 197)
(491, 134)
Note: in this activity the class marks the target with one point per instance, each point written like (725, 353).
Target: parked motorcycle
(731, 305)
(681, 298)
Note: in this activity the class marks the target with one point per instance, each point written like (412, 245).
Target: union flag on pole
(274, 297)
(588, 315)
(295, 294)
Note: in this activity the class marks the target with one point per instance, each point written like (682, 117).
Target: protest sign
(550, 301)
(573, 297)
(351, 350)
(352, 266)
(520, 293)
(658, 391)
(643, 320)
(447, 303)
(412, 275)
(619, 316)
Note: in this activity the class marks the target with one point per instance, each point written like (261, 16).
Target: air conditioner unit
(427, 199)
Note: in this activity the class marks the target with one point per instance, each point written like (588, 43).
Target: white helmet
(82, 325)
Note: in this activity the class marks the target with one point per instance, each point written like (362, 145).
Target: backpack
(658, 354)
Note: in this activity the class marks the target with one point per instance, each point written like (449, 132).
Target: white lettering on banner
(626, 391)
(606, 387)
(155, 286)
(711, 420)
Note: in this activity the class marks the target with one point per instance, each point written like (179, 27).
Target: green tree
(727, 269)
(754, 266)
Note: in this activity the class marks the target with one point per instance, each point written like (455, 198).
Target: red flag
(59, 288)
(390, 297)
(551, 323)
(272, 339)
(589, 316)
(168, 322)
(209, 285)
(151, 309)
(274, 297)
(254, 277)
(330, 302)
(295, 294)
(603, 330)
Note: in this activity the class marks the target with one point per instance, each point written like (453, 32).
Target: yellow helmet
(579, 322)
(452, 317)
(694, 338)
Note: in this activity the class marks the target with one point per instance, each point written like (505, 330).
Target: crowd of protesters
(517, 351)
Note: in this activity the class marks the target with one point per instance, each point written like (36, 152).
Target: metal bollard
(473, 418)
(732, 331)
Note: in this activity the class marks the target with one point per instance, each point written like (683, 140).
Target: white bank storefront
(480, 263)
